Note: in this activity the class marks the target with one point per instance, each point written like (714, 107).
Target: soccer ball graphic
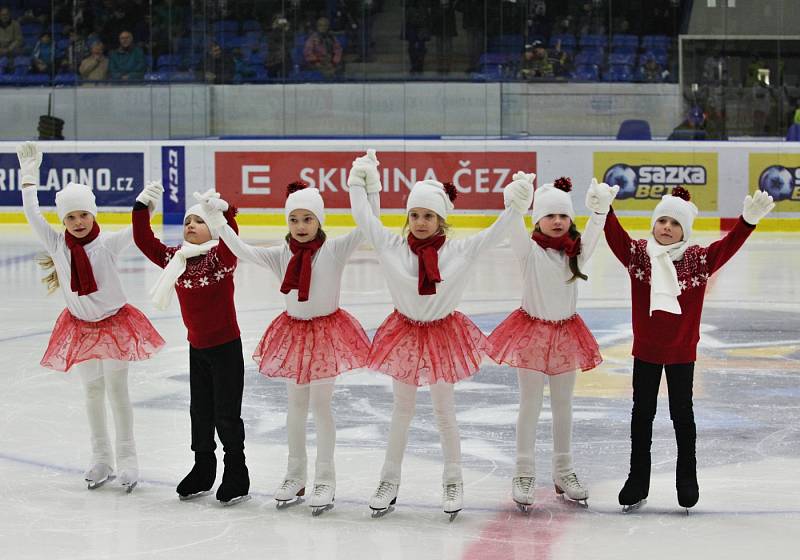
(625, 177)
(776, 181)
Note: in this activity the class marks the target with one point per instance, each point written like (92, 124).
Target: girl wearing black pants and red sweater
(668, 282)
(201, 272)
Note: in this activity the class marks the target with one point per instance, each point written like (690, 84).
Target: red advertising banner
(259, 179)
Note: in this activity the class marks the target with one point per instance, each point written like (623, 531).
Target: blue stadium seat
(34, 80)
(621, 58)
(227, 26)
(493, 58)
(251, 25)
(586, 72)
(21, 62)
(624, 41)
(65, 79)
(634, 129)
(593, 41)
(506, 43)
(590, 56)
(568, 41)
(659, 55)
(661, 42)
(793, 135)
(618, 73)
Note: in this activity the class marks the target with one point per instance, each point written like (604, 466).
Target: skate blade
(633, 507)
(453, 514)
(94, 485)
(524, 508)
(129, 487)
(285, 504)
(189, 497)
(583, 503)
(236, 500)
(378, 513)
(319, 510)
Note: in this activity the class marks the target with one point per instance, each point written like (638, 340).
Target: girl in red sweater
(668, 282)
(200, 271)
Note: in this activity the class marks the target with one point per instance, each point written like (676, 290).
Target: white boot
(568, 483)
(522, 489)
(453, 498)
(322, 498)
(129, 478)
(290, 490)
(98, 475)
(384, 497)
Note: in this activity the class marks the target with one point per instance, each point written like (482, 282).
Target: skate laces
(385, 490)
(570, 479)
(452, 491)
(524, 483)
(288, 483)
(321, 489)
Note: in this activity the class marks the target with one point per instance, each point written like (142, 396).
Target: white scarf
(664, 287)
(162, 291)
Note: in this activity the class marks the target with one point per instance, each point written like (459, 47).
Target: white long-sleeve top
(401, 266)
(546, 292)
(102, 252)
(327, 267)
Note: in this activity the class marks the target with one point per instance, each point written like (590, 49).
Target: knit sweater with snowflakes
(667, 338)
(205, 289)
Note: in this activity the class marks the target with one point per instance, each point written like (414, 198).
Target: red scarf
(428, 256)
(572, 247)
(82, 277)
(298, 273)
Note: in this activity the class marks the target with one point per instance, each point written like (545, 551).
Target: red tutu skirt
(312, 349)
(551, 347)
(419, 353)
(126, 336)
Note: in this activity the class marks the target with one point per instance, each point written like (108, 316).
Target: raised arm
(30, 158)
(364, 180)
(268, 257)
(344, 246)
(755, 207)
(143, 235)
(617, 238)
(591, 236)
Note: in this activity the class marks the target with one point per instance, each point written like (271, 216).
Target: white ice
(747, 405)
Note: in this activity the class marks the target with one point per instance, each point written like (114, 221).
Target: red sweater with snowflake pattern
(666, 338)
(205, 289)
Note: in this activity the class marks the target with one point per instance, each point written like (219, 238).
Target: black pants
(216, 382)
(646, 380)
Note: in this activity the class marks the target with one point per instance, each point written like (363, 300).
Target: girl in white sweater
(545, 339)
(99, 332)
(425, 341)
(314, 340)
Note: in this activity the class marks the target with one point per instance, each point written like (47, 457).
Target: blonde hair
(51, 279)
(444, 227)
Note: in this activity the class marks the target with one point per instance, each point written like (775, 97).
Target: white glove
(151, 194)
(518, 194)
(214, 207)
(30, 158)
(599, 197)
(364, 173)
(756, 207)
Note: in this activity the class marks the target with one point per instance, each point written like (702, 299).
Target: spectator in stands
(279, 47)
(417, 32)
(692, 128)
(651, 71)
(443, 28)
(220, 65)
(10, 34)
(535, 63)
(322, 51)
(43, 54)
(127, 62)
(95, 66)
(560, 60)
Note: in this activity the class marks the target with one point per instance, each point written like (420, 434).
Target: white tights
(531, 389)
(443, 398)
(101, 378)
(318, 396)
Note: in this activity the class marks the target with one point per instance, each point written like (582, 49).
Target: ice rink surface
(747, 406)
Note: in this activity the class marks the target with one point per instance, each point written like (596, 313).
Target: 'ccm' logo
(255, 175)
(173, 174)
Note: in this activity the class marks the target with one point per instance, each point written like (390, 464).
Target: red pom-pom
(563, 183)
(451, 191)
(296, 186)
(680, 192)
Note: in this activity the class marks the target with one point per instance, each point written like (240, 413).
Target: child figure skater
(546, 339)
(200, 270)
(313, 341)
(668, 283)
(99, 332)
(425, 341)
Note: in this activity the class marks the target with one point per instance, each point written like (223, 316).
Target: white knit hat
(679, 208)
(306, 199)
(549, 199)
(197, 210)
(75, 197)
(431, 195)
